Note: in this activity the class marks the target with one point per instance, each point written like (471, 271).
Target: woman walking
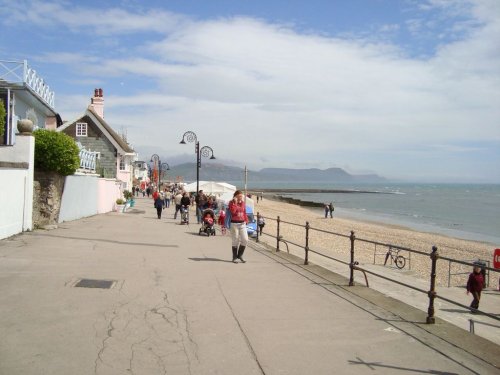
(236, 220)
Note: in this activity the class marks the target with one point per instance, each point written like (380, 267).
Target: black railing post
(278, 234)
(351, 265)
(432, 292)
(306, 260)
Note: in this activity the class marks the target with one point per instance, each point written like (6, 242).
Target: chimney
(97, 102)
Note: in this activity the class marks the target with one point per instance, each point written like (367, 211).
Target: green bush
(56, 152)
(2, 118)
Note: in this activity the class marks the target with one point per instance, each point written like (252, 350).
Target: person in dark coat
(159, 205)
(331, 209)
(475, 286)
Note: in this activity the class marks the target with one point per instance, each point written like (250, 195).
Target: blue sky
(406, 89)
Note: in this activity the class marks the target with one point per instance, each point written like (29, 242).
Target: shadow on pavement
(104, 240)
(373, 365)
(210, 260)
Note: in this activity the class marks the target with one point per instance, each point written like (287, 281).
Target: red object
(496, 258)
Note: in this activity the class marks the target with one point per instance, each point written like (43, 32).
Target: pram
(184, 215)
(207, 222)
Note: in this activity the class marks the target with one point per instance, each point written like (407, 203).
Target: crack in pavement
(247, 340)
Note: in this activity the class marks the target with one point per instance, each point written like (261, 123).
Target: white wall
(16, 197)
(109, 192)
(80, 197)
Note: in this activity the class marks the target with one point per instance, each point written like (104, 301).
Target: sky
(406, 89)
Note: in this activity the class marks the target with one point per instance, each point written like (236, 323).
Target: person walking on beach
(327, 209)
(236, 220)
(475, 285)
(331, 209)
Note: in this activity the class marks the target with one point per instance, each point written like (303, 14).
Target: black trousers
(158, 211)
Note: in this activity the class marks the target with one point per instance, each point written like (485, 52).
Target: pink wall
(108, 191)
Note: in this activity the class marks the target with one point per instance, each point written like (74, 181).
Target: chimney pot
(100, 93)
(96, 92)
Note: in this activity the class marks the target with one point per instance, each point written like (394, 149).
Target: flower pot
(120, 208)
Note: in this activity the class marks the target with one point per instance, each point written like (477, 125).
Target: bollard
(306, 261)
(432, 292)
(351, 265)
(278, 234)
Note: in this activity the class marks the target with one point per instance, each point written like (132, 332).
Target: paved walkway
(179, 306)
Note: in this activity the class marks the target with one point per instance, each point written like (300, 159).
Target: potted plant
(120, 205)
(129, 197)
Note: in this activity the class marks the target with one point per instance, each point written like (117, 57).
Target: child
(261, 222)
(475, 285)
(222, 219)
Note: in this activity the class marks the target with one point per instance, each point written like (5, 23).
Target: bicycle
(397, 259)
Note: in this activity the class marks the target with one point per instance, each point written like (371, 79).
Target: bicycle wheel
(400, 262)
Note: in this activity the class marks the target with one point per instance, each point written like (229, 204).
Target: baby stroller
(207, 222)
(184, 215)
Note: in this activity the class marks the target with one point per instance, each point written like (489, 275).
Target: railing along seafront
(354, 265)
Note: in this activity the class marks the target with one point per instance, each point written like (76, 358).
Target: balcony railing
(88, 160)
(19, 73)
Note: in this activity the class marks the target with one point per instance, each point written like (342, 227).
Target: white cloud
(270, 95)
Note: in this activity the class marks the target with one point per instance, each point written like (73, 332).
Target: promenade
(178, 305)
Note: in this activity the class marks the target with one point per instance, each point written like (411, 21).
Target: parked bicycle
(397, 259)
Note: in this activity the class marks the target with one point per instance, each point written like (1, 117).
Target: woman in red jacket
(238, 225)
(475, 286)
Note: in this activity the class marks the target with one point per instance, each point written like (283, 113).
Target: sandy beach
(368, 253)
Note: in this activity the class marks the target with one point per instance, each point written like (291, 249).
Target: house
(141, 174)
(25, 95)
(115, 156)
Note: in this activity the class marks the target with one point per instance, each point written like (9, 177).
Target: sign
(496, 258)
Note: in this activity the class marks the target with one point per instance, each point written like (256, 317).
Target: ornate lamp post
(164, 168)
(205, 151)
(155, 159)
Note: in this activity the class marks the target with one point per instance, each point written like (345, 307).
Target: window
(122, 164)
(81, 129)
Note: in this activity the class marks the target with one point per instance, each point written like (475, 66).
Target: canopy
(226, 197)
(211, 187)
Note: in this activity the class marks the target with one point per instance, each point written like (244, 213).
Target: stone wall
(48, 189)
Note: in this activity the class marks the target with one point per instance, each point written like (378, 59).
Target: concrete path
(179, 306)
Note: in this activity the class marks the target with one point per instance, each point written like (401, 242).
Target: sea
(467, 211)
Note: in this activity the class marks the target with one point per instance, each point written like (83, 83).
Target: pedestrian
(327, 210)
(331, 209)
(168, 197)
(148, 191)
(177, 202)
(201, 201)
(261, 222)
(257, 198)
(475, 285)
(236, 220)
(158, 205)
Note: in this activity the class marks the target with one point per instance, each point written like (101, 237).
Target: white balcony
(18, 73)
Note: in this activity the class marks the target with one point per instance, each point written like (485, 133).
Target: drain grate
(91, 283)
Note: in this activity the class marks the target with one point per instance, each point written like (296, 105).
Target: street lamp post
(205, 151)
(155, 159)
(164, 167)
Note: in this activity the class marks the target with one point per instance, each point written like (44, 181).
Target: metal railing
(19, 72)
(354, 265)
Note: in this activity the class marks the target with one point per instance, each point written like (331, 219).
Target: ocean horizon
(466, 211)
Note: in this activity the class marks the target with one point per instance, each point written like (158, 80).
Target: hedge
(56, 152)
